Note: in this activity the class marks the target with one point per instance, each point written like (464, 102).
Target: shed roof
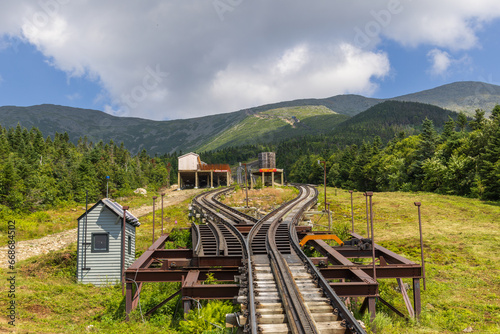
(190, 153)
(116, 209)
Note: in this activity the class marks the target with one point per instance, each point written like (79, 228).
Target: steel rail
(300, 320)
(295, 306)
(197, 247)
(201, 202)
(352, 325)
(210, 199)
(251, 325)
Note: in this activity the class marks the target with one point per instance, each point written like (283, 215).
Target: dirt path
(29, 248)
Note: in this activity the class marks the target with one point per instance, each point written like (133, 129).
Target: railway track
(219, 237)
(290, 296)
(281, 289)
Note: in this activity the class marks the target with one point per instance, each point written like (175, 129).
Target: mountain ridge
(204, 133)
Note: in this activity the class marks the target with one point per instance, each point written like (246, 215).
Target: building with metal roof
(103, 252)
(194, 173)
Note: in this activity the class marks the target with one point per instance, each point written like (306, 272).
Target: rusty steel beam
(217, 261)
(211, 291)
(159, 275)
(172, 253)
(190, 279)
(146, 256)
(389, 271)
(163, 302)
(333, 255)
(355, 289)
(391, 257)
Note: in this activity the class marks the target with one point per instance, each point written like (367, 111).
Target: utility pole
(421, 242)
(125, 208)
(154, 197)
(324, 180)
(246, 183)
(162, 195)
(107, 181)
(352, 212)
(370, 194)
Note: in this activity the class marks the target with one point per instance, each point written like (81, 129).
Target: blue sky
(182, 59)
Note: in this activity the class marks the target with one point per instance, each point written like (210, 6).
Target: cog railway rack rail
(261, 266)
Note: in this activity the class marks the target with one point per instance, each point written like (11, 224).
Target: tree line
(39, 173)
(464, 159)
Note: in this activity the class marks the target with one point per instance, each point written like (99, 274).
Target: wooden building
(99, 255)
(194, 173)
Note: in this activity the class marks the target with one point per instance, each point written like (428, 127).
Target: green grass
(64, 217)
(461, 244)
(275, 125)
(461, 247)
(50, 301)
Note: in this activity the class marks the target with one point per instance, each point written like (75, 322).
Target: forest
(463, 158)
(38, 173)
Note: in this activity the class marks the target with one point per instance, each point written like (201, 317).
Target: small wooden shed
(99, 254)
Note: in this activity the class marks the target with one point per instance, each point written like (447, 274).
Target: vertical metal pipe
(329, 219)
(370, 194)
(367, 217)
(246, 183)
(352, 212)
(163, 194)
(125, 208)
(324, 181)
(154, 197)
(84, 243)
(421, 242)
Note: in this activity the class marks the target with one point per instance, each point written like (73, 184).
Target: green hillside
(389, 118)
(277, 125)
(223, 130)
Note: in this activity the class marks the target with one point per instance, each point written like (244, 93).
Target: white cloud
(261, 52)
(443, 64)
(440, 61)
(74, 96)
(337, 70)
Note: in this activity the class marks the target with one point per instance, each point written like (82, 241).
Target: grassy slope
(42, 223)
(49, 301)
(275, 125)
(461, 241)
(461, 246)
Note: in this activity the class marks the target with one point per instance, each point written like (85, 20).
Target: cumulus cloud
(300, 73)
(257, 52)
(440, 61)
(74, 96)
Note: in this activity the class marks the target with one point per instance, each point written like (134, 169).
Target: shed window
(129, 245)
(100, 242)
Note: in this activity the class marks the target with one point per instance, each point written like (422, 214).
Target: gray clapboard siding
(104, 268)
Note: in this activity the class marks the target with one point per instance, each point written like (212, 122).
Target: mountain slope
(387, 119)
(240, 127)
(276, 125)
(136, 133)
(464, 96)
